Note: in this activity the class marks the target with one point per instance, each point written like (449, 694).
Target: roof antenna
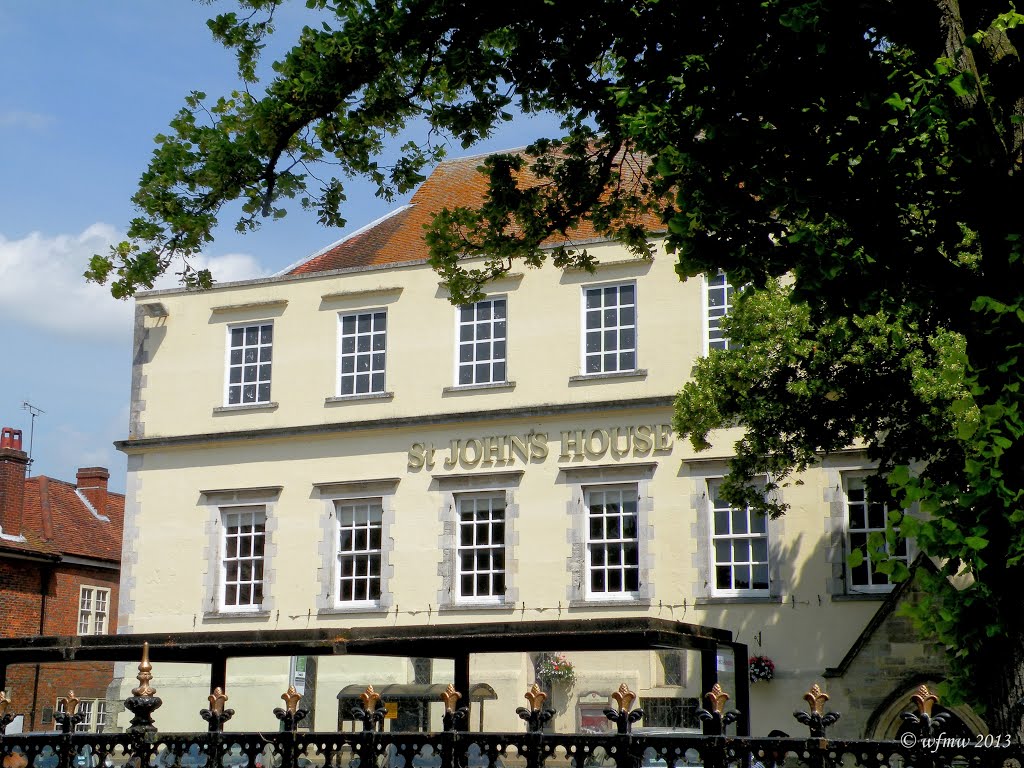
(34, 411)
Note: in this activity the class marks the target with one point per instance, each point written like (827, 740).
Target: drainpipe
(45, 576)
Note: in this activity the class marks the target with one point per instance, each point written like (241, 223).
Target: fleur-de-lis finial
(217, 699)
(535, 696)
(370, 698)
(624, 697)
(816, 699)
(5, 703)
(70, 703)
(145, 675)
(450, 697)
(291, 699)
(925, 700)
(717, 697)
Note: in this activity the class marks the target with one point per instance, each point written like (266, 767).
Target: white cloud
(15, 118)
(41, 283)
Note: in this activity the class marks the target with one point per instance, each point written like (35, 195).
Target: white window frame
(96, 711)
(496, 597)
(361, 556)
(229, 366)
(473, 362)
(866, 531)
(725, 309)
(630, 491)
(91, 620)
(749, 534)
(602, 329)
(371, 354)
(259, 519)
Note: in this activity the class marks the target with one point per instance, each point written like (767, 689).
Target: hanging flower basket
(761, 668)
(555, 668)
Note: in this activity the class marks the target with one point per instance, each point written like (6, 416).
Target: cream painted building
(338, 446)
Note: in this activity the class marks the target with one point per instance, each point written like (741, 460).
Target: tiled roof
(57, 521)
(398, 238)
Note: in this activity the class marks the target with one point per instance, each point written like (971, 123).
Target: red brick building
(60, 554)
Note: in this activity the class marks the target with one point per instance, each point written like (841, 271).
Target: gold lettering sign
(574, 445)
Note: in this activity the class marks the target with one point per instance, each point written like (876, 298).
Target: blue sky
(86, 87)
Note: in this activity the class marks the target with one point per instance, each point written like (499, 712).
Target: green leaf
(855, 559)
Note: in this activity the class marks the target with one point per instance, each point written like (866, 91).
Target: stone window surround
(834, 496)
(578, 479)
(703, 592)
(450, 487)
(327, 576)
(216, 502)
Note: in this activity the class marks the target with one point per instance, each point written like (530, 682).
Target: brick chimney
(13, 465)
(92, 482)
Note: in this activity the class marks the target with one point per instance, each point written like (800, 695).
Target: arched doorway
(886, 722)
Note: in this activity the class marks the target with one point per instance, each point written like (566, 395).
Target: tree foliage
(869, 149)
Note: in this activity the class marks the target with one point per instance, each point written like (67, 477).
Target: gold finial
(145, 675)
(624, 697)
(450, 697)
(535, 696)
(816, 699)
(925, 700)
(5, 703)
(291, 699)
(717, 697)
(15, 760)
(217, 699)
(370, 698)
(70, 703)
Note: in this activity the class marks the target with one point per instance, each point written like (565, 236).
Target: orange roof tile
(398, 238)
(58, 521)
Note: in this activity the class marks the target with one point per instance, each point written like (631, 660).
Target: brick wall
(35, 688)
(20, 582)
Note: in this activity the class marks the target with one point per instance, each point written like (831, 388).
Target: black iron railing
(923, 743)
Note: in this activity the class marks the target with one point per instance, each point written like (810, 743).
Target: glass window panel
(739, 521)
(741, 551)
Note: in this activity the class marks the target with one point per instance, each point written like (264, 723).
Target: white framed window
(718, 301)
(865, 517)
(483, 336)
(362, 342)
(612, 541)
(360, 553)
(609, 328)
(480, 554)
(243, 557)
(739, 548)
(93, 610)
(95, 715)
(250, 349)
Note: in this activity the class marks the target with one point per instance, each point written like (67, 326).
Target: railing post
(290, 716)
(6, 717)
(536, 716)
(143, 701)
(624, 717)
(372, 712)
(817, 720)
